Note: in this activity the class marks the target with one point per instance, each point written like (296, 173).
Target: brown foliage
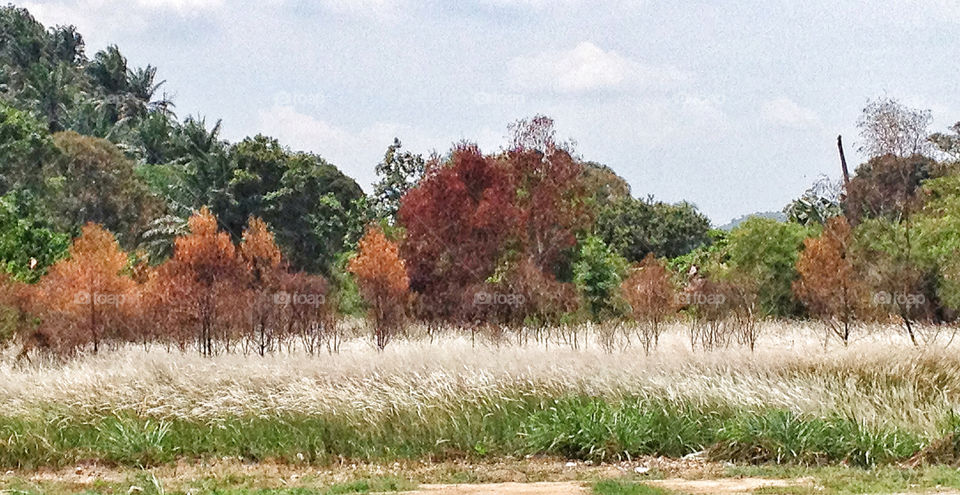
(261, 260)
(305, 312)
(85, 299)
(476, 213)
(522, 296)
(652, 296)
(210, 293)
(721, 312)
(201, 287)
(886, 186)
(830, 285)
(15, 299)
(383, 281)
(550, 193)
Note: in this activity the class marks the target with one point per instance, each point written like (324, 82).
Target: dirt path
(541, 488)
(694, 487)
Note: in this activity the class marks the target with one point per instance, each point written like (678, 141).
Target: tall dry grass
(879, 379)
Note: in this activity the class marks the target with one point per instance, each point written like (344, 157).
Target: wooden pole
(843, 162)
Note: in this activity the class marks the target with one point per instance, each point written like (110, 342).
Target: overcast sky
(733, 106)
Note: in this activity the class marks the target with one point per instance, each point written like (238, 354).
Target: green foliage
(97, 183)
(25, 149)
(27, 239)
(709, 260)
(311, 209)
(937, 237)
(636, 227)
(817, 204)
(765, 251)
(398, 172)
(346, 291)
(598, 272)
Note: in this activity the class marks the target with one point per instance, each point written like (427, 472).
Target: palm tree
(142, 86)
(50, 92)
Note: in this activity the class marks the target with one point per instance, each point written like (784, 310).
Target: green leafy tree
(636, 227)
(901, 282)
(310, 212)
(765, 251)
(98, 184)
(25, 150)
(50, 92)
(259, 164)
(23, 40)
(598, 273)
(28, 243)
(936, 239)
(398, 173)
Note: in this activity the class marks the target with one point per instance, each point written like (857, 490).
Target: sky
(732, 106)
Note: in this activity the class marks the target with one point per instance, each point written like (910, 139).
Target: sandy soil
(695, 487)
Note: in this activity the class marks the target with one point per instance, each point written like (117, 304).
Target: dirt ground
(528, 476)
(694, 487)
(527, 470)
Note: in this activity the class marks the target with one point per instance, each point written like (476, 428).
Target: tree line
(120, 223)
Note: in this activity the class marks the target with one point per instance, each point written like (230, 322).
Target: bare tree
(888, 127)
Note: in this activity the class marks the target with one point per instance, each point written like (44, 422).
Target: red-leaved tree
(457, 222)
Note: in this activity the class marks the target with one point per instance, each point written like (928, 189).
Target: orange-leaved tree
(15, 318)
(261, 259)
(85, 299)
(203, 286)
(830, 285)
(383, 281)
(652, 296)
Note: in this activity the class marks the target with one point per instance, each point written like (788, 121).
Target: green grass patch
(616, 487)
(572, 427)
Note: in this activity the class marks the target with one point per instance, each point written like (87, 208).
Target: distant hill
(776, 215)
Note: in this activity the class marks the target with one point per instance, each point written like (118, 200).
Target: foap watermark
(884, 298)
(500, 99)
(299, 100)
(284, 298)
(496, 299)
(700, 299)
(84, 298)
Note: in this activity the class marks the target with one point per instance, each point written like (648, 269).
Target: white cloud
(102, 21)
(181, 6)
(702, 112)
(785, 112)
(531, 4)
(67, 11)
(588, 68)
(367, 8)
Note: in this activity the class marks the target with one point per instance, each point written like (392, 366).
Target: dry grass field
(799, 401)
